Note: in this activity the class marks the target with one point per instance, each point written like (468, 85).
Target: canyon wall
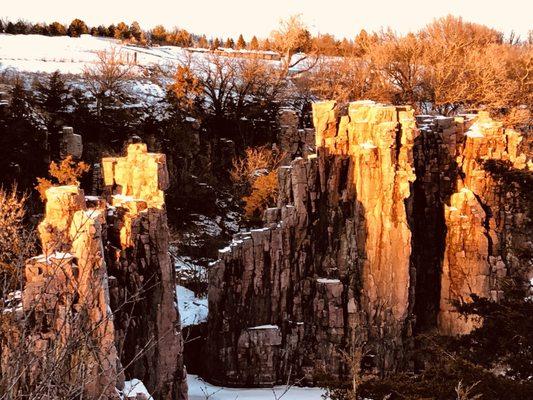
(374, 239)
(103, 292)
(329, 274)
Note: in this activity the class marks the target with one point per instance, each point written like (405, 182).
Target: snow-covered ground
(201, 390)
(135, 387)
(193, 310)
(68, 55)
(37, 53)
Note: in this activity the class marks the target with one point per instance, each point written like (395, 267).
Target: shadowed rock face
(330, 271)
(88, 243)
(386, 226)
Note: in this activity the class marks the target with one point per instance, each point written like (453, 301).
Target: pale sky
(343, 18)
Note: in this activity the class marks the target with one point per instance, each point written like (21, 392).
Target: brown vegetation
(256, 179)
(15, 238)
(450, 65)
(67, 172)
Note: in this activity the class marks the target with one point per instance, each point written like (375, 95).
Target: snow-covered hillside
(37, 53)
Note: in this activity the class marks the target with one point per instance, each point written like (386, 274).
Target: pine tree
(102, 31)
(241, 43)
(266, 45)
(137, 32)
(202, 42)
(2, 26)
(77, 28)
(254, 44)
(230, 44)
(52, 95)
(26, 139)
(216, 43)
(111, 29)
(19, 28)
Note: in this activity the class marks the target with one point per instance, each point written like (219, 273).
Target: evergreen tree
(77, 28)
(137, 32)
(57, 29)
(202, 42)
(25, 137)
(40, 29)
(217, 43)
(18, 28)
(52, 95)
(230, 44)
(254, 44)
(102, 31)
(111, 30)
(267, 45)
(10, 28)
(2, 26)
(241, 43)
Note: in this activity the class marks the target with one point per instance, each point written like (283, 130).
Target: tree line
(132, 33)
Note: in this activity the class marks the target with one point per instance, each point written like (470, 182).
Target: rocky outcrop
(70, 144)
(103, 293)
(65, 320)
(330, 273)
(293, 140)
(377, 237)
(488, 221)
(148, 328)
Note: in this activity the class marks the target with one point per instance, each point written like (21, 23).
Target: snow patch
(327, 280)
(133, 388)
(201, 390)
(260, 327)
(193, 310)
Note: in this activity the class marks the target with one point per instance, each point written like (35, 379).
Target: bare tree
(290, 38)
(225, 86)
(106, 78)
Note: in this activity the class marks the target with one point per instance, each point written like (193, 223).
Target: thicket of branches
(449, 66)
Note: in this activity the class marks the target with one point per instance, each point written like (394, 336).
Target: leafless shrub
(465, 392)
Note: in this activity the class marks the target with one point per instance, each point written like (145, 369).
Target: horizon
(234, 17)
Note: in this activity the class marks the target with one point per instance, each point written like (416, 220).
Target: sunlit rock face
(375, 239)
(106, 263)
(330, 271)
(148, 330)
(488, 227)
(67, 291)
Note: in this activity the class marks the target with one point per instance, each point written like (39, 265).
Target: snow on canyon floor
(201, 390)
